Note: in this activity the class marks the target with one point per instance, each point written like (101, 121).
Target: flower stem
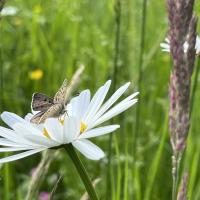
(82, 171)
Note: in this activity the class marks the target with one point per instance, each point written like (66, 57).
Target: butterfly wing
(53, 111)
(36, 118)
(59, 97)
(41, 102)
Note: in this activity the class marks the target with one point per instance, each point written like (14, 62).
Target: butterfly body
(48, 107)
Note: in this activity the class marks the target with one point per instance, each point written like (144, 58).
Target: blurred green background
(46, 41)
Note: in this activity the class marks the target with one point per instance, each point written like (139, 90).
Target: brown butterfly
(48, 107)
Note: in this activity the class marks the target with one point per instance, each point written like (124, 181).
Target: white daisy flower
(166, 45)
(76, 127)
(9, 11)
(94, 112)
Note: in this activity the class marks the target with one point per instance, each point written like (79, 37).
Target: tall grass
(115, 74)
(56, 36)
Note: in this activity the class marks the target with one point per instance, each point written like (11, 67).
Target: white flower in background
(76, 126)
(166, 45)
(9, 11)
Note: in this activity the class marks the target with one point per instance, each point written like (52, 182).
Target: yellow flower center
(83, 127)
(45, 133)
(61, 118)
(61, 121)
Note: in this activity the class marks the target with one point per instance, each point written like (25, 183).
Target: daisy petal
(33, 135)
(167, 40)
(74, 106)
(197, 46)
(12, 136)
(80, 104)
(166, 50)
(110, 101)
(88, 149)
(164, 45)
(9, 149)
(96, 102)
(99, 131)
(129, 98)
(20, 155)
(83, 103)
(8, 143)
(71, 129)
(54, 129)
(10, 118)
(115, 111)
(28, 117)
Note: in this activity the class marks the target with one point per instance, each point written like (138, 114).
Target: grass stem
(117, 7)
(138, 109)
(175, 174)
(140, 71)
(194, 88)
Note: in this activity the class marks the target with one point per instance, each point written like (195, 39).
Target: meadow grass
(56, 37)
